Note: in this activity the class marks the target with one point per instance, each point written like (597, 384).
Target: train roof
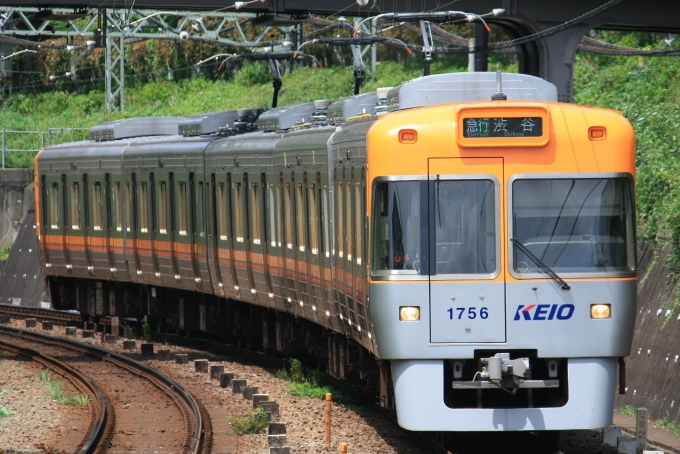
(467, 87)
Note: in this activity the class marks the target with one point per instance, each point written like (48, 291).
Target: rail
(128, 363)
(33, 141)
(98, 424)
(40, 313)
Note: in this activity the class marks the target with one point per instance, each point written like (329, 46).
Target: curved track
(151, 411)
(101, 416)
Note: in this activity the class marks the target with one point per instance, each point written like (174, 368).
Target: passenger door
(467, 288)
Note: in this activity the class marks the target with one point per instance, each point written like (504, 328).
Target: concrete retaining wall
(653, 368)
(16, 194)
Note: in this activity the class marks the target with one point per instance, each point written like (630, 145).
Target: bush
(253, 423)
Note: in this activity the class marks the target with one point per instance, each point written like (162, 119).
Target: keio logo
(544, 312)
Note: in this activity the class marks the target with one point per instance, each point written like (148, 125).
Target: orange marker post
(343, 448)
(329, 398)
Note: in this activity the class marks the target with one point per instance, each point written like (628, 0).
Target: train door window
(209, 207)
(348, 218)
(255, 212)
(222, 209)
(358, 220)
(182, 204)
(97, 208)
(75, 205)
(162, 207)
(238, 211)
(143, 207)
(199, 218)
(313, 220)
(340, 224)
(289, 217)
(154, 203)
(108, 194)
(117, 204)
(279, 216)
(54, 205)
(301, 221)
(272, 214)
(86, 202)
(128, 207)
(325, 246)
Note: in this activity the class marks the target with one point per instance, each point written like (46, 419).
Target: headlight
(600, 311)
(409, 313)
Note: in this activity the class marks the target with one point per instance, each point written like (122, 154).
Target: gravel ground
(366, 431)
(36, 417)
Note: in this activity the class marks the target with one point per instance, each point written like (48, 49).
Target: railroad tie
(271, 407)
(70, 330)
(163, 354)
(129, 345)
(147, 350)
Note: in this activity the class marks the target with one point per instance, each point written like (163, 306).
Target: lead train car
(482, 251)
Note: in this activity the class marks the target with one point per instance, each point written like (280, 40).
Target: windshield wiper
(538, 262)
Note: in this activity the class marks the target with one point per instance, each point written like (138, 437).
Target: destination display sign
(503, 127)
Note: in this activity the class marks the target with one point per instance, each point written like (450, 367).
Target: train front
(503, 269)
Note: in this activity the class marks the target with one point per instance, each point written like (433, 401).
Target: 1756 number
(471, 312)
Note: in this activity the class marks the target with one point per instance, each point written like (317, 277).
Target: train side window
(238, 211)
(340, 224)
(222, 209)
(255, 213)
(128, 207)
(97, 208)
(301, 221)
(358, 220)
(182, 202)
(348, 218)
(289, 217)
(162, 207)
(54, 205)
(325, 246)
(272, 214)
(143, 207)
(75, 205)
(313, 220)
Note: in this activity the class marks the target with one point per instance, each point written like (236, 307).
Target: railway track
(145, 409)
(102, 418)
(58, 317)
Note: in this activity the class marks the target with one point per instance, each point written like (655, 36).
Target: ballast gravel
(33, 415)
(365, 430)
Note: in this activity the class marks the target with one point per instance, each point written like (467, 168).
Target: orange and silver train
(467, 251)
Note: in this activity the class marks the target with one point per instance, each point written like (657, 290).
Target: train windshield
(398, 213)
(584, 225)
(459, 215)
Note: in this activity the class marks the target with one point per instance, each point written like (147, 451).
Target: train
(463, 244)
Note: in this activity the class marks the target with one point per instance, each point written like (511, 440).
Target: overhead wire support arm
(358, 68)
(428, 45)
(277, 83)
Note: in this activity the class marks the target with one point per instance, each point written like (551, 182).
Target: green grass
(673, 426)
(4, 412)
(55, 389)
(4, 253)
(628, 410)
(252, 423)
(312, 384)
